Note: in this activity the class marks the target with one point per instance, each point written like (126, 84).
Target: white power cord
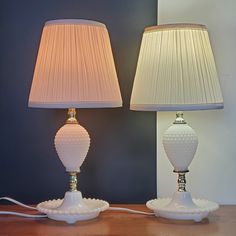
(130, 211)
(17, 203)
(22, 214)
(42, 216)
(18, 213)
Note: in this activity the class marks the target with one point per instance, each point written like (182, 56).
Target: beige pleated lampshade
(176, 70)
(75, 67)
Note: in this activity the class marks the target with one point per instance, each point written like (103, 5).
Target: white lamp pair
(75, 69)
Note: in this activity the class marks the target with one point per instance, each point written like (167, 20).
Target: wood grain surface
(221, 222)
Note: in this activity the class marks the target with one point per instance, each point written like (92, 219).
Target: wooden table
(221, 222)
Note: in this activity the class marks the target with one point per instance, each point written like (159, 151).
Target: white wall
(213, 170)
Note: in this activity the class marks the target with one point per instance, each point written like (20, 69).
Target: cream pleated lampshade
(176, 70)
(75, 67)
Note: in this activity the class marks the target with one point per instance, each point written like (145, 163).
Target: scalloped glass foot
(72, 208)
(182, 207)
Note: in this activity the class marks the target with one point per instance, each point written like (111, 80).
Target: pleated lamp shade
(75, 67)
(176, 70)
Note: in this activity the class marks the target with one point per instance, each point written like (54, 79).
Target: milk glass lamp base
(72, 208)
(182, 207)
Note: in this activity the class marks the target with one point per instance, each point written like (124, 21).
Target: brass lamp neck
(73, 181)
(179, 118)
(72, 116)
(181, 180)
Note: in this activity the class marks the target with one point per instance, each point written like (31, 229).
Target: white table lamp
(176, 72)
(74, 69)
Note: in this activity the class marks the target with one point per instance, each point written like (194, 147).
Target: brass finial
(72, 116)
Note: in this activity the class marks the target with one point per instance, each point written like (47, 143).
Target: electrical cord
(17, 203)
(130, 211)
(22, 214)
(42, 216)
(18, 213)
